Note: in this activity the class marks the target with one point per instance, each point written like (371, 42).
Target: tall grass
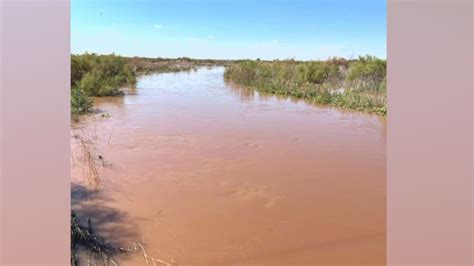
(354, 84)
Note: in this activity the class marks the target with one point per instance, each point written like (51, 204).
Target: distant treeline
(95, 75)
(358, 84)
(144, 65)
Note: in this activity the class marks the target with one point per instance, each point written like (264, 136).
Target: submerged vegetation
(358, 84)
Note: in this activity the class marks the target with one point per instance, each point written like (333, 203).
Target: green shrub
(80, 101)
(97, 75)
(101, 75)
(79, 67)
(367, 73)
(317, 72)
(96, 84)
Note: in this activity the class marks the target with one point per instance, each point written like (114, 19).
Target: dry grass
(83, 237)
(99, 252)
(149, 259)
(88, 156)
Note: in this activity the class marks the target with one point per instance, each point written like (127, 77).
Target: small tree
(367, 73)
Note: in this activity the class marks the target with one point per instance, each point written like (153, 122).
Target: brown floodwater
(207, 173)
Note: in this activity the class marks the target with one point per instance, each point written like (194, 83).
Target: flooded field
(207, 173)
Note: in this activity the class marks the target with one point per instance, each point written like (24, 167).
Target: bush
(367, 73)
(79, 67)
(101, 75)
(80, 102)
(96, 84)
(97, 75)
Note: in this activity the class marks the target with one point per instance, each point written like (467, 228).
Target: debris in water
(105, 115)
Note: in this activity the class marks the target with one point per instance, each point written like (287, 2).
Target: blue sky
(225, 29)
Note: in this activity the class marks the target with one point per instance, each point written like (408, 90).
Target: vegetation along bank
(358, 84)
(95, 75)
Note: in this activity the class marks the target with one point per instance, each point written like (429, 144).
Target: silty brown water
(207, 173)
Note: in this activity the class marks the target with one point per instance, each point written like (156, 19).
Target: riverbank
(94, 75)
(358, 84)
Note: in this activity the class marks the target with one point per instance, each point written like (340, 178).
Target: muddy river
(207, 173)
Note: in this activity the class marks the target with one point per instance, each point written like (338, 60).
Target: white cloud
(157, 26)
(211, 36)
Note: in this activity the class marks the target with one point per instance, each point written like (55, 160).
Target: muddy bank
(206, 173)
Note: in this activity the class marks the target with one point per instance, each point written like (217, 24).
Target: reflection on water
(245, 94)
(214, 174)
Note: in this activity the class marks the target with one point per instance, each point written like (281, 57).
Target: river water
(208, 173)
